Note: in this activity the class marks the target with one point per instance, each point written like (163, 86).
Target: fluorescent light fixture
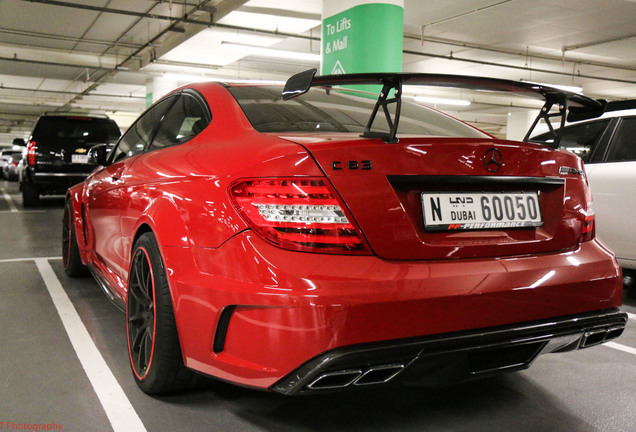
(441, 101)
(269, 52)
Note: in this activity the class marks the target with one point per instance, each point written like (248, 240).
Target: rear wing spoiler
(571, 106)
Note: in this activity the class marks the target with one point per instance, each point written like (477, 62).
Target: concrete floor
(44, 378)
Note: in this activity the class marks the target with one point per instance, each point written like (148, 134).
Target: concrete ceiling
(98, 56)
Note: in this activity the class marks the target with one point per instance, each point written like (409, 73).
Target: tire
(30, 196)
(71, 260)
(153, 342)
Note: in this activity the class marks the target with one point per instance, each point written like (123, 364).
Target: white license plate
(79, 158)
(445, 211)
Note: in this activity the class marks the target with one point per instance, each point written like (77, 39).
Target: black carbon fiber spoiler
(573, 106)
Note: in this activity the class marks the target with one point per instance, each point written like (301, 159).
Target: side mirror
(98, 155)
(19, 142)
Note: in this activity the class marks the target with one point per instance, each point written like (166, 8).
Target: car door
(613, 183)
(107, 197)
(158, 168)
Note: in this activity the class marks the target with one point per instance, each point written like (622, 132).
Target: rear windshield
(335, 111)
(86, 129)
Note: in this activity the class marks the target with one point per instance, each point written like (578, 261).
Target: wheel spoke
(138, 316)
(141, 365)
(141, 312)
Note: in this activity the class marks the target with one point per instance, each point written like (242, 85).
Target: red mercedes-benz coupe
(308, 239)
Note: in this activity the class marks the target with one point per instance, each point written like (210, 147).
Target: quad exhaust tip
(599, 335)
(357, 377)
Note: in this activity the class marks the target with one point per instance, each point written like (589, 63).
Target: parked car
(322, 240)
(9, 160)
(57, 153)
(608, 148)
(4, 160)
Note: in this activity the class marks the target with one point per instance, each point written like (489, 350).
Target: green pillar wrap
(362, 37)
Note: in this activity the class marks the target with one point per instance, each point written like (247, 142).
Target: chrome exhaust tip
(335, 380)
(614, 332)
(593, 337)
(379, 375)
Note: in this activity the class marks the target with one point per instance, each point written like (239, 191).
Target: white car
(607, 145)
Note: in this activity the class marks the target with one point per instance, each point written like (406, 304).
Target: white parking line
(22, 211)
(120, 412)
(9, 201)
(620, 347)
(11, 260)
(631, 316)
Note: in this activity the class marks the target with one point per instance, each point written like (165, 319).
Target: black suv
(57, 153)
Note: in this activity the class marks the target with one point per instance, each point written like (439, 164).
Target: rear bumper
(46, 182)
(444, 359)
(55, 183)
(251, 313)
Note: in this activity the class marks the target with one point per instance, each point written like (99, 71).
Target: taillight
(589, 221)
(14, 162)
(589, 224)
(31, 153)
(302, 214)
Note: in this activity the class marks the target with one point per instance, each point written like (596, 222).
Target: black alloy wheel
(153, 342)
(141, 313)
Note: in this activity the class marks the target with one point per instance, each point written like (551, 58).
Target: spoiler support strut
(546, 116)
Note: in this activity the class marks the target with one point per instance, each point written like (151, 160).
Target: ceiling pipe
(185, 20)
(66, 92)
(464, 44)
(465, 14)
(406, 36)
(103, 9)
(51, 63)
(524, 68)
(66, 39)
(127, 61)
(601, 42)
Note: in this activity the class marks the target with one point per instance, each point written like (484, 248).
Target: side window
(186, 118)
(582, 139)
(624, 142)
(138, 136)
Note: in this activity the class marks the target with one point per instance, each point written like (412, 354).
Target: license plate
(79, 158)
(444, 211)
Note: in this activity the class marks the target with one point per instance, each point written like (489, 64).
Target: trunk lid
(382, 185)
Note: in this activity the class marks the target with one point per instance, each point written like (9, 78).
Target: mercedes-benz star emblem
(493, 160)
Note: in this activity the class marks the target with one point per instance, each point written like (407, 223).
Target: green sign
(365, 38)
